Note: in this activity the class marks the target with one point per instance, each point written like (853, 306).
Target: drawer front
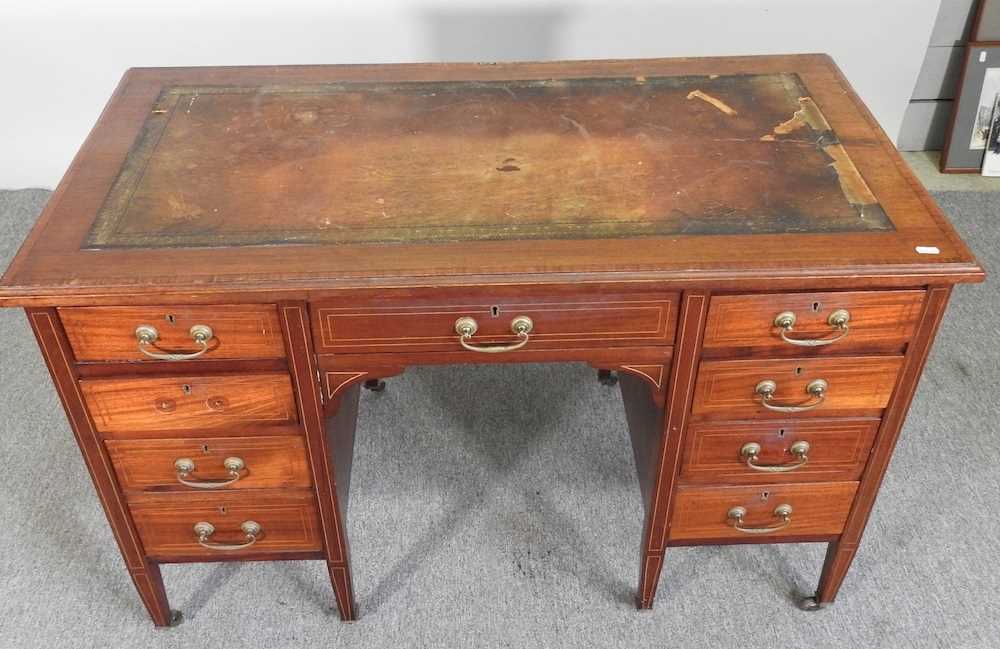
(881, 321)
(705, 513)
(855, 385)
(426, 324)
(200, 464)
(189, 402)
(109, 333)
(777, 451)
(289, 522)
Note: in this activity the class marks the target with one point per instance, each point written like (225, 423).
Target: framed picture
(991, 163)
(986, 24)
(972, 113)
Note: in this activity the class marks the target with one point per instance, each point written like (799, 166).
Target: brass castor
(375, 385)
(607, 377)
(810, 604)
(176, 617)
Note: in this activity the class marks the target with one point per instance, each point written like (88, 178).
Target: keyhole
(222, 509)
(171, 319)
(781, 432)
(815, 307)
(798, 371)
(186, 389)
(764, 495)
(204, 448)
(495, 311)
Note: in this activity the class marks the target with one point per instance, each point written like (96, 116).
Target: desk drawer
(288, 520)
(422, 323)
(881, 321)
(200, 464)
(190, 402)
(237, 331)
(777, 451)
(854, 385)
(707, 513)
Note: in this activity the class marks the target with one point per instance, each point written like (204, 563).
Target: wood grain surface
(108, 333)
(838, 450)
(426, 322)
(881, 321)
(857, 385)
(701, 512)
(186, 402)
(166, 522)
(271, 462)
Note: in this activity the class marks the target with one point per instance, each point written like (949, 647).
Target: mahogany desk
(234, 251)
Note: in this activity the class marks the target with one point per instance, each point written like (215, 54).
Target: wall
(60, 59)
(929, 112)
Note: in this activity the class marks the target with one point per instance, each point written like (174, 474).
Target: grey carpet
(497, 507)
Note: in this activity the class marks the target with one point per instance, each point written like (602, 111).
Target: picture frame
(968, 131)
(986, 24)
(991, 163)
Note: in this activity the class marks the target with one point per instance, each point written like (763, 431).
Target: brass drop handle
(766, 389)
(466, 327)
(147, 335)
(781, 512)
(751, 451)
(785, 321)
(203, 530)
(185, 466)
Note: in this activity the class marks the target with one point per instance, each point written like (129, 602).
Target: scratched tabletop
(446, 161)
(234, 180)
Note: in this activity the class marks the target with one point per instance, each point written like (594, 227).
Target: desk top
(305, 178)
(579, 158)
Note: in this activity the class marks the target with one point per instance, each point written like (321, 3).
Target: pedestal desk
(235, 252)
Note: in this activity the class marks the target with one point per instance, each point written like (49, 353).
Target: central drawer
(425, 322)
(190, 402)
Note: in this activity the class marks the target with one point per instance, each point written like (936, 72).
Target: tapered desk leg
(340, 427)
(145, 574)
(645, 425)
(663, 454)
(841, 553)
(330, 450)
(149, 582)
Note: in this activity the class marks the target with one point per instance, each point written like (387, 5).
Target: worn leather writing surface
(445, 161)
(731, 173)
